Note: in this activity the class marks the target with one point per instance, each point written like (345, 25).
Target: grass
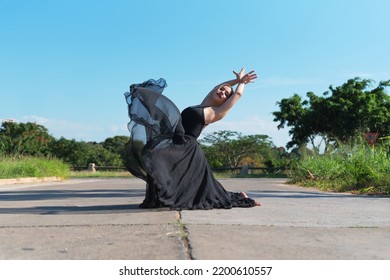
(23, 167)
(251, 174)
(100, 174)
(358, 170)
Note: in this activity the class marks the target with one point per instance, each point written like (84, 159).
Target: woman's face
(222, 94)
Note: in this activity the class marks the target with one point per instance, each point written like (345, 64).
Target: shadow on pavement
(307, 194)
(27, 196)
(94, 209)
(66, 194)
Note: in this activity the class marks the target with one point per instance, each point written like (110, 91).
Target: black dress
(163, 150)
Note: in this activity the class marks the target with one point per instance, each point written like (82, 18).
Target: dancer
(163, 148)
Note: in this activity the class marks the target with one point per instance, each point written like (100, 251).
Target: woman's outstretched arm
(216, 113)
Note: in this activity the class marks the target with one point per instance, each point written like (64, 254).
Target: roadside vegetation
(22, 167)
(340, 118)
(360, 169)
(100, 174)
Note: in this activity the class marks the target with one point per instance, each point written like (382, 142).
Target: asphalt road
(94, 219)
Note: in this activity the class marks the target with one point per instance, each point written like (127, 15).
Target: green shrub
(32, 167)
(360, 169)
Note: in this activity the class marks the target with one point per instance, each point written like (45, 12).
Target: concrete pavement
(100, 219)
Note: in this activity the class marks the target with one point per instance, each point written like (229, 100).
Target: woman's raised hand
(245, 78)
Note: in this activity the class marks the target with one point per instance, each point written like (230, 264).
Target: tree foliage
(81, 153)
(31, 139)
(117, 145)
(222, 148)
(232, 149)
(24, 139)
(340, 115)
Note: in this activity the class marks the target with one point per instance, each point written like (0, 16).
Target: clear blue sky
(65, 64)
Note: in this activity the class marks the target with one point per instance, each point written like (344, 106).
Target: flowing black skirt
(172, 163)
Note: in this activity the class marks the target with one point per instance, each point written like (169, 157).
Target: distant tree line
(31, 139)
(222, 148)
(233, 149)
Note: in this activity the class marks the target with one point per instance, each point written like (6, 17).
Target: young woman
(163, 149)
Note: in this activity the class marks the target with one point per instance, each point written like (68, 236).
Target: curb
(29, 180)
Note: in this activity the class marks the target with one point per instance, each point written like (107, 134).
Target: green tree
(24, 139)
(82, 153)
(117, 145)
(340, 115)
(230, 148)
(102, 157)
(72, 152)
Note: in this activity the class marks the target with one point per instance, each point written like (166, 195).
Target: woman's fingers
(248, 77)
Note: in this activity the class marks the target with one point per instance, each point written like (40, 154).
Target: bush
(361, 169)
